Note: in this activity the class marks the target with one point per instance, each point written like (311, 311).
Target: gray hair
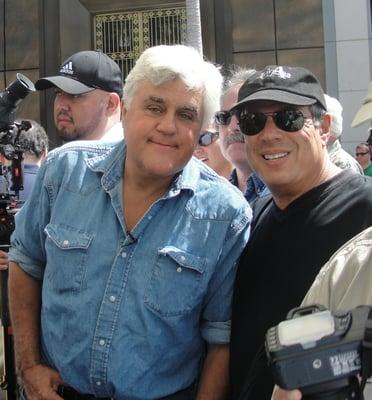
(334, 108)
(35, 141)
(236, 76)
(160, 64)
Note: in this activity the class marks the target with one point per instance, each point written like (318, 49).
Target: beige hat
(365, 112)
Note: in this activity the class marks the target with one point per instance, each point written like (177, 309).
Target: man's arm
(281, 394)
(24, 303)
(214, 380)
(4, 263)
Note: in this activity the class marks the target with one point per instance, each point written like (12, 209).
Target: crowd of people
(185, 215)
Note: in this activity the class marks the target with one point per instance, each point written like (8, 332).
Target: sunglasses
(362, 154)
(224, 117)
(206, 138)
(252, 123)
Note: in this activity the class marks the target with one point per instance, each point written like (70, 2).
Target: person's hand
(281, 394)
(4, 262)
(41, 383)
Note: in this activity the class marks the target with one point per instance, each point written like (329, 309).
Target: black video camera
(9, 130)
(321, 353)
(11, 149)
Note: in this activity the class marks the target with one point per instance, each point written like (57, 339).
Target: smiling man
(127, 252)
(315, 208)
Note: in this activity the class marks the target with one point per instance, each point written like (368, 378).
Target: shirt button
(149, 217)
(112, 299)
(123, 254)
(182, 258)
(179, 269)
(65, 243)
(98, 383)
(101, 343)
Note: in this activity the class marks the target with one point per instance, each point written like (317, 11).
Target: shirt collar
(336, 145)
(111, 165)
(233, 178)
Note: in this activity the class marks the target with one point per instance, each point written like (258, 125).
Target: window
(124, 36)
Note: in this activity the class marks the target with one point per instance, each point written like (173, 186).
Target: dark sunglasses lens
(289, 120)
(251, 123)
(223, 117)
(205, 139)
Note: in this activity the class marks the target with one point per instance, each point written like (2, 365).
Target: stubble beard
(68, 135)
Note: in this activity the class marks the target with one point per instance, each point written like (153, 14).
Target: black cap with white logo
(85, 71)
(284, 84)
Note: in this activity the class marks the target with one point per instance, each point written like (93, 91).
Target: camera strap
(367, 351)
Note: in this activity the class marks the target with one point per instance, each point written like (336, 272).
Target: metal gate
(123, 36)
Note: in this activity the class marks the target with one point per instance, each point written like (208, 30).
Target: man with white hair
(124, 257)
(337, 154)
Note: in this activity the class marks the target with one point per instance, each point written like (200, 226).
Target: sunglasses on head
(362, 154)
(252, 123)
(206, 138)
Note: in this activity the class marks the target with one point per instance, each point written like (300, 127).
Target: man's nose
(167, 124)
(199, 152)
(234, 124)
(270, 131)
(62, 102)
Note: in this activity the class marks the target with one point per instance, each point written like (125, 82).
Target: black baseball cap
(284, 84)
(85, 71)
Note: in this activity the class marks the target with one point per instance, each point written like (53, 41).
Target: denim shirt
(255, 187)
(122, 315)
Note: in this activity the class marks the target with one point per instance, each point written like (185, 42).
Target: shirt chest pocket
(176, 283)
(66, 248)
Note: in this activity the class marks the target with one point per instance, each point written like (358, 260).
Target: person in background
(208, 150)
(232, 140)
(87, 104)
(34, 141)
(337, 154)
(315, 208)
(124, 257)
(363, 156)
(369, 139)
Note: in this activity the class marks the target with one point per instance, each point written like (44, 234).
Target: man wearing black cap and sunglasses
(315, 208)
(88, 89)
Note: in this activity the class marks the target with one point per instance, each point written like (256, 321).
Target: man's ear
(124, 109)
(325, 128)
(113, 103)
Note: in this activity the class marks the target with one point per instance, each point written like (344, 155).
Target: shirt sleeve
(27, 241)
(215, 324)
(344, 281)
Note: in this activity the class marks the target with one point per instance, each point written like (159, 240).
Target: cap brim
(280, 96)
(68, 85)
(363, 115)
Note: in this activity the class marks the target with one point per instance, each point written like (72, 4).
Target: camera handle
(8, 378)
(301, 311)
